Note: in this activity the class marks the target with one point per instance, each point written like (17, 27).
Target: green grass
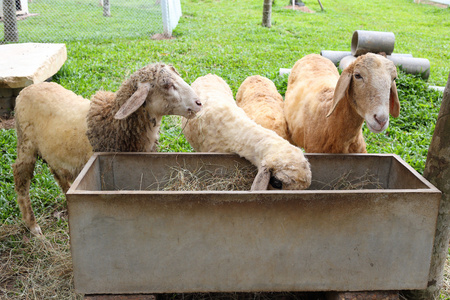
(63, 21)
(225, 37)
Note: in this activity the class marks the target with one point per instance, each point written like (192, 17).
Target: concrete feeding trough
(128, 235)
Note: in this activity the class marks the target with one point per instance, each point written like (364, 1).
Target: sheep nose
(380, 120)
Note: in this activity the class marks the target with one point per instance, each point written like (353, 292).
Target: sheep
(64, 129)
(325, 112)
(224, 127)
(260, 100)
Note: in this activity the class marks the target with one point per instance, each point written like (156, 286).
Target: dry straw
(36, 267)
(202, 179)
(347, 181)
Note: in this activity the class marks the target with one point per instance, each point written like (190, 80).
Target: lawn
(225, 38)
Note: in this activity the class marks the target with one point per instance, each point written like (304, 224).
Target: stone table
(24, 64)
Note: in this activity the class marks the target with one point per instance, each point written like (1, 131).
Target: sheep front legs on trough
(64, 129)
(325, 112)
(222, 126)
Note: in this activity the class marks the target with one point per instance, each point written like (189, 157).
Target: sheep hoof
(36, 230)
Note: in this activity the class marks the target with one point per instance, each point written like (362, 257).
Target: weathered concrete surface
(128, 240)
(335, 56)
(24, 64)
(372, 41)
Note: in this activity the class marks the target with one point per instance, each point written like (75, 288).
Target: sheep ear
(341, 88)
(134, 102)
(261, 180)
(394, 103)
(174, 70)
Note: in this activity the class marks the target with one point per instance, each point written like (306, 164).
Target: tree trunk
(106, 9)
(9, 13)
(437, 171)
(267, 14)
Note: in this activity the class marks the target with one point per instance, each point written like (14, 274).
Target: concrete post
(267, 14)
(437, 171)
(9, 12)
(106, 9)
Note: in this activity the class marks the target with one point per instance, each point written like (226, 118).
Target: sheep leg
(261, 180)
(63, 178)
(23, 172)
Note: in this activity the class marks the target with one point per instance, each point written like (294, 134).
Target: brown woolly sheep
(325, 112)
(259, 98)
(54, 123)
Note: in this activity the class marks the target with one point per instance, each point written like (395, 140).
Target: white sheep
(259, 98)
(224, 127)
(54, 123)
(325, 112)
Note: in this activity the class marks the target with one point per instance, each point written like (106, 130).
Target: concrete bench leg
(374, 295)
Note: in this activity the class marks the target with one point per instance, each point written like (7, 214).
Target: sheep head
(369, 85)
(276, 172)
(161, 90)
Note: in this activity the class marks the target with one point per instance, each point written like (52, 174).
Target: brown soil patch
(7, 122)
(22, 17)
(160, 36)
(300, 8)
(440, 5)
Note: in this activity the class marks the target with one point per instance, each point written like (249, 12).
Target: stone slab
(24, 64)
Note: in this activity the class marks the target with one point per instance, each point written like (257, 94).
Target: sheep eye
(276, 183)
(358, 76)
(168, 85)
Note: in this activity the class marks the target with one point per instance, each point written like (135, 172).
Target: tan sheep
(325, 112)
(224, 127)
(259, 98)
(54, 124)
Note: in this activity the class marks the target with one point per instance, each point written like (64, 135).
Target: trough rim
(74, 187)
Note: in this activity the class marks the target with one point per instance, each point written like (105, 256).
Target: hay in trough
(347, 181)
(207, 179)
(241, 179)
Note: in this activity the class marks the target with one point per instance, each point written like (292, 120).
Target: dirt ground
(301, 8)
(7, 122)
